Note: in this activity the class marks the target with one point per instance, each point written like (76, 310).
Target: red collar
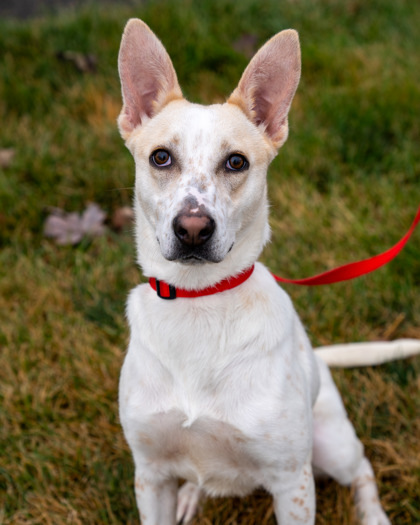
(167, 291)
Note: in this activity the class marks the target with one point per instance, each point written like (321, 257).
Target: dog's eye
(236, 162)
(161, 158)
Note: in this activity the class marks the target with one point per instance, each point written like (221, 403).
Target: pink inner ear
(146, 72)
(261, 107)
(268, 84)
(273, 96)
(140, 86)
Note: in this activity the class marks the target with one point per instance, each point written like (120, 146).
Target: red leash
(355, 269)
(336, 275)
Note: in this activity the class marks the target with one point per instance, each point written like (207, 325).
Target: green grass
(345, 186)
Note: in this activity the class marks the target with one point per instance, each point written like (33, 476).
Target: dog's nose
(193, 230)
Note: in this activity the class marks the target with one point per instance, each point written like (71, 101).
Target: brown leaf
(85, 63)
(92, 220)
(122, 217)
(6, 157)
(246, 44)
(71, 228)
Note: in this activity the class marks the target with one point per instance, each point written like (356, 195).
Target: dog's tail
(367, 354)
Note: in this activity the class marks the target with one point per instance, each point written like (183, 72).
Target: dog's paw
(375, 516)
(188, 499)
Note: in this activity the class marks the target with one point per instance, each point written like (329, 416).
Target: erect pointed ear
(148, 78)
(266, 89)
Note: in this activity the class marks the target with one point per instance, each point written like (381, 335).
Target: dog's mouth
(199, 256)
(192, 259)
(194, 255)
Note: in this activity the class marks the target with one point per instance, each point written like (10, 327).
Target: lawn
(345, 186)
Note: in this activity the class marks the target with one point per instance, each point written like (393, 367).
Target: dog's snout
(193, 230)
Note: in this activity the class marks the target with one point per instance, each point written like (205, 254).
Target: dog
(220, 385)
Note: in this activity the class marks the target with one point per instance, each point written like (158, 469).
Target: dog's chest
(213, 454)
(216, 455)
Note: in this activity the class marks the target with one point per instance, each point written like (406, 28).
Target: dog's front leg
(156, 501)
(296, 504)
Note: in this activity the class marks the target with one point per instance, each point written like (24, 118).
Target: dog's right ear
(148, 78)
(267, 86)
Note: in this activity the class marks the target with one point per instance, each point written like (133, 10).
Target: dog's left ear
(148, 78)
(266, 89)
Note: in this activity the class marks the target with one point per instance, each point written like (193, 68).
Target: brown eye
(161, 158)
(236, 162)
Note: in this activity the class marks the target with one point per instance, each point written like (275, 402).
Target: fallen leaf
(93, 220)
(122, 217)
(70, 228)
(6, 157)
(86, 63)
(246, 44)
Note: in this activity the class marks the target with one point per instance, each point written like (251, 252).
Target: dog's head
(200, 193)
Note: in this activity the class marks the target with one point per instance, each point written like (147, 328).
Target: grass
(345, 186)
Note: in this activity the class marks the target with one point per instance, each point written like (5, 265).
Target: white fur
(223, 391)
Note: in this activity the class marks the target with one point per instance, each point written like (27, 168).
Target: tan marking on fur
(303, 519)
(176, 140)
(156, 131)
(237, 100)
(358, 483)
(170, 97)
(203, 183)
(139, 485)
(145, 439)
(249, 301)
(225, 147)
(162, 101)
(292, 465)
(236, 184)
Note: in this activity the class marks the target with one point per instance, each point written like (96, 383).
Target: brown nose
(193, 230)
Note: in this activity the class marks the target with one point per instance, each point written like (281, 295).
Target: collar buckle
(165, 291)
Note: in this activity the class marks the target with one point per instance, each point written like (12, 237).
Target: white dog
(220, 385)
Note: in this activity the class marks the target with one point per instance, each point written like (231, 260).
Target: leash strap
(355, 269)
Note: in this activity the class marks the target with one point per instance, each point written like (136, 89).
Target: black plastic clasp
(172, 291)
